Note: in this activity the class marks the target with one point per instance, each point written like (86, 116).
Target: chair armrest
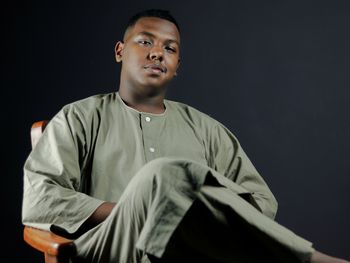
(37, 130)
(48, 242)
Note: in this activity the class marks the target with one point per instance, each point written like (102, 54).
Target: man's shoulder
(192, 113)
(91, 103)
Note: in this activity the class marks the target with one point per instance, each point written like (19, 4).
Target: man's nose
(156, 53)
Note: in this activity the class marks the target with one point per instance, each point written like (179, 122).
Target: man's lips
(156, 68)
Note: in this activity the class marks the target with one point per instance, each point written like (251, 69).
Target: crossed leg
(168, 213)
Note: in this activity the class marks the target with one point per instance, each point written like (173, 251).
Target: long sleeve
(229, 159)
(54, 175)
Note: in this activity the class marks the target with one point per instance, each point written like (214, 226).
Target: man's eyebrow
(170, 41)
(148, 34)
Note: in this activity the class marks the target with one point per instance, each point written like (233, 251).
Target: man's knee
(175, 171)
(150, 175)
(161, 175)
(161, 168)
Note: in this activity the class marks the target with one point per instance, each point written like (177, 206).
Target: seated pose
(134, 177)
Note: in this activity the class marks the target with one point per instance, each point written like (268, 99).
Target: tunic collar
(128, 108)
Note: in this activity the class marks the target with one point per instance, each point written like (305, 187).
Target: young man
(136, 177)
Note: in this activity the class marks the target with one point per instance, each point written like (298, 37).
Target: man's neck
(153, 104)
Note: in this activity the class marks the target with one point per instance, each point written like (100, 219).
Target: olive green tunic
(92, 149)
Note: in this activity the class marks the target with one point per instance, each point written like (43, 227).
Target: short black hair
(160, 13)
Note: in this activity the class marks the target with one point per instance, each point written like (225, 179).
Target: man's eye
(170, 49)
(145, 42)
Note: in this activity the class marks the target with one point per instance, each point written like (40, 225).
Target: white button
(151, 150)
(148, 119)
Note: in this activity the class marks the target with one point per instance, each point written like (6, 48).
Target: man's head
(149, 52)
(158, 13)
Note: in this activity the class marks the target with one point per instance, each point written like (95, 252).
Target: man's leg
(206, 238)
(146, 215)
(212, 231)
(218, 228)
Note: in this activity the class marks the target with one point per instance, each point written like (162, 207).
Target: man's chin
(152, 90)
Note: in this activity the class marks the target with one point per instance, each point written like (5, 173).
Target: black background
(276, 73)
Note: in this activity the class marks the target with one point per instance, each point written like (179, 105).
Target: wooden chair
(56, 249)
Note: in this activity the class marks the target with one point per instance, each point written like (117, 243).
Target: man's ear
(118, 49)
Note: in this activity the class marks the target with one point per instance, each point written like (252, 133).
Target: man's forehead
(156, 26)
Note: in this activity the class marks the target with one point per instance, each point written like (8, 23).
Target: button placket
(150, 135)
(151, 149)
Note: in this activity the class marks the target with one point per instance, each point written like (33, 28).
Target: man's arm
(52, 197)
(230, 160)
(100, 214)
(97, 217)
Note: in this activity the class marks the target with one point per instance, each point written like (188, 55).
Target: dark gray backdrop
(276, 73)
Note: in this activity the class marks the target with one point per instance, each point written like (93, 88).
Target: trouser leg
(114, 240)
(277, 242)
(212, 231)
(146, 215)
(220, 227)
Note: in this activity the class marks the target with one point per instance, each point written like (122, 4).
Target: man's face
(150, 55)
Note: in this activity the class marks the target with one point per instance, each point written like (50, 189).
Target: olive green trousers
(175, 210)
